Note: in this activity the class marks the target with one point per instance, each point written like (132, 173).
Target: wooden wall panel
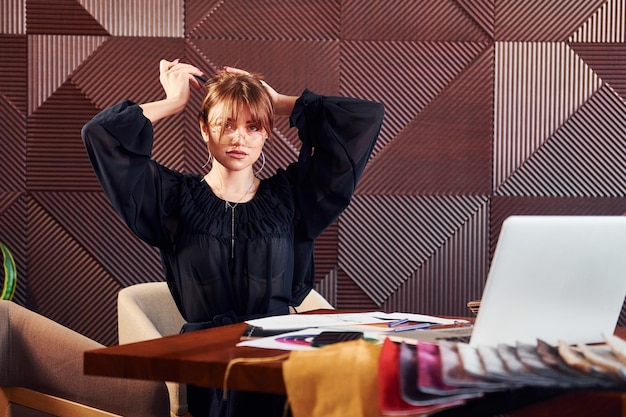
(541, 21)
(266, 20)
(13, 83)
(60, 17)
(493, 108)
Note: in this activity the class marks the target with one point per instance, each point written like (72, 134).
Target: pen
(397, 322)
(415, 327)
(201, 79)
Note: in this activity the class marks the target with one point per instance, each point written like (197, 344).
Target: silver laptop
(551, 278)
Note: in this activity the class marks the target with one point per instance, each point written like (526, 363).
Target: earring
(262, 164)
(208, 161)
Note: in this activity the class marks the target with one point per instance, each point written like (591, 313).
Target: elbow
(85, 132)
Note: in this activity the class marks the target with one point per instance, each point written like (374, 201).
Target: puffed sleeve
(338, 135)
(119, 145)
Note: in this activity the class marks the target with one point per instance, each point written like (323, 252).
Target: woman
(233, 247)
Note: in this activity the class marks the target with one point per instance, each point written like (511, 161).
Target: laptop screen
(554, 278)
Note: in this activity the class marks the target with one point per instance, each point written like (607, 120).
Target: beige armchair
(147, 311)
(313, 301)
(41, 374)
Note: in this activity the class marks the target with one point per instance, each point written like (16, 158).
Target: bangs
(228, 96)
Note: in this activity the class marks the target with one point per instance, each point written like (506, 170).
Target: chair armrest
(44, 356)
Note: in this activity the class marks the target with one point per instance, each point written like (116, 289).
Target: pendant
(232, 233)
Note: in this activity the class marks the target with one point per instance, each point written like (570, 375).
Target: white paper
(417, 318)
(301, 321)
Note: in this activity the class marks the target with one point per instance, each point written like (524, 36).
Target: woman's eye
(253, 128)
(228, 126)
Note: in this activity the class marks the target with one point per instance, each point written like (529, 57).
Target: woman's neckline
(259, 183)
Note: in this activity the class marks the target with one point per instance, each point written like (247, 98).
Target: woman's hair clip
(201, 79)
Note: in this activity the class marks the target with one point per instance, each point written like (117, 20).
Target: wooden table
(198, 358)
(201, 358)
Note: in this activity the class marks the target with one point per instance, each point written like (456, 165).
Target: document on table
(301, 321)
(304, 327)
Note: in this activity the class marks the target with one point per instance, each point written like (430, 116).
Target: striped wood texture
(493, 108)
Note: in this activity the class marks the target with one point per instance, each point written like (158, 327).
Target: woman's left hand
(283, 104)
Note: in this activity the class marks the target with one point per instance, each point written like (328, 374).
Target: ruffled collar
(270, 211)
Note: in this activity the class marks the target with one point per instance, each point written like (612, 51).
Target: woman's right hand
(176, 79)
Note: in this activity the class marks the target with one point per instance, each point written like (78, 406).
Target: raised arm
(176, 79)
(119, 143)
(338, 135)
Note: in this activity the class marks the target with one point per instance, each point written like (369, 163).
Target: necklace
(229, 205)
(232, 206)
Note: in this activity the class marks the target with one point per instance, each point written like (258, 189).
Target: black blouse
(270, 264)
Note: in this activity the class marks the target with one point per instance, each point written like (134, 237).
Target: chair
(313, 301)
(147, 311)
(41, 374)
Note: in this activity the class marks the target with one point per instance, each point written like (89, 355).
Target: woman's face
(240, 143)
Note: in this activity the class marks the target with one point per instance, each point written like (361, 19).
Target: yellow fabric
(334, 381)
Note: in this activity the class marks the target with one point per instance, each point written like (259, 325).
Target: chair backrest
(314, 301)
(147, 311)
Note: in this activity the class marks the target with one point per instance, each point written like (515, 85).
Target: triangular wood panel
(60, 17)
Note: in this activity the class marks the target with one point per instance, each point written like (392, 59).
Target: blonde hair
(234, 91)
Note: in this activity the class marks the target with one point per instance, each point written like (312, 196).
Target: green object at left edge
(10, 274)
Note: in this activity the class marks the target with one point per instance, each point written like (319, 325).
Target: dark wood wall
(494, 107)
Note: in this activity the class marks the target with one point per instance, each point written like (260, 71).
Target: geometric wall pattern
(493, 108)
